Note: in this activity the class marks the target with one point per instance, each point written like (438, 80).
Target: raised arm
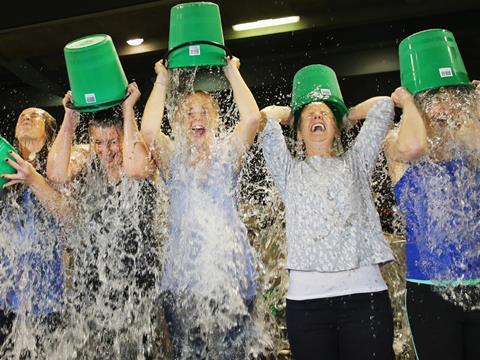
(61, 165)
(364, 151)
(136, 158)
(247, 128)
(275, 151)
(359, 112)
(283, 114)
(409, 141)
(51, 199)
(157, 142)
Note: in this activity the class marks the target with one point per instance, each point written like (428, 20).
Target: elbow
(56, 176)
(253, 120)
(137, 171)
(148, 136)
(414, 150)
(138, 174)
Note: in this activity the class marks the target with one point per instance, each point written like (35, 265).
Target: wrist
(161, 80)
(37, 181)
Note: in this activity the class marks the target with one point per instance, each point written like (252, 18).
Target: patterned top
(331, 220)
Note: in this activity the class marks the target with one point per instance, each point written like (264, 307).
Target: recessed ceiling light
(135, 42)
(266, 23)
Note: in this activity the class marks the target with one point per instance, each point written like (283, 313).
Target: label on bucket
(446, 72)
(90, 98)
(194, 50)
(325, 92)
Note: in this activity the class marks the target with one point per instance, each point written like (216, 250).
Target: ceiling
(359, 39)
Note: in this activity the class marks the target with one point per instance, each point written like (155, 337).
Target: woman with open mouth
(209, 264)
(337, 302)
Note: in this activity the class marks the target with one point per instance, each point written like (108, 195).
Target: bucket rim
(97, 107)
(106, 38)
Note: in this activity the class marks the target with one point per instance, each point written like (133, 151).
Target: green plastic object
(430, 59)
(190, 25)
(317, 83)
(96, 76)
(5, 168)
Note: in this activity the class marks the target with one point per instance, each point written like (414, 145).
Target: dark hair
(106, 118)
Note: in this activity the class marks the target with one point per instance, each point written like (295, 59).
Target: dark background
(359, 39)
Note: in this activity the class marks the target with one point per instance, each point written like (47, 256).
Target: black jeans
(350, 327)
(441, 329)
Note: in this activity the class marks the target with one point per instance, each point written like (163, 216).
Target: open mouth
(318, 128)
(198, 130)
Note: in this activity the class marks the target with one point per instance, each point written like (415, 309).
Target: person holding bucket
(29, 217)
(95, 174)
(201, 173)
(337, 302)
(433, 160)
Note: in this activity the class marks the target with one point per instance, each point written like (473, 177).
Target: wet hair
(106, 119)
(50, 134)
(212, 100)
(463, 96)
(50, 128)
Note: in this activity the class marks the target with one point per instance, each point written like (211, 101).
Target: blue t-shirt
(31, 261)
(440, 205)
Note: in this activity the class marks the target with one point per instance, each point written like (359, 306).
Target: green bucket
(317, 83)
(196, 36)
(5, 168)
(430, 59)
(95, 73)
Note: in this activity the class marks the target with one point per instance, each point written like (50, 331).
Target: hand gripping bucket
(317, 83)
(430, 59)
(196, 36)
(95, 73)
(5, 168)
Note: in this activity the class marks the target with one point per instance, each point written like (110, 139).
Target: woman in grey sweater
(337, 302)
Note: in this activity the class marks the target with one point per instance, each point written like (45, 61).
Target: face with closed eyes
(317, 126)
(197, 118)
(31, 125)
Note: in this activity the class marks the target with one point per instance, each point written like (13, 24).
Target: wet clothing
(333, 232)
(209, 279)
(205, 228)
(440, 205)
(440, 328)
(331, 220)
(440, 208)
(350, 327)
(118, 226)
(32, 262)
(305, 285)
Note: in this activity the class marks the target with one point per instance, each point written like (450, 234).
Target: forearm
(247, 106)
(153, 113)
(411, 142)
(50, 198)
(136, 161)
(59, 156)
(367, 144)
(360, 111)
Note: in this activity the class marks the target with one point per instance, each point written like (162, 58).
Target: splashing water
(114, 301)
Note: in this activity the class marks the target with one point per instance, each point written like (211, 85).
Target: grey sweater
(332, 223)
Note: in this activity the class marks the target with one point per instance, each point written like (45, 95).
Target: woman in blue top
(433, 159)
(208, 275)
(31, 256)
